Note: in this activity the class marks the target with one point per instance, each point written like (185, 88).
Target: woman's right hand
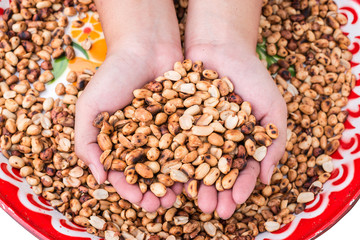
(141, 47)
(109, 90)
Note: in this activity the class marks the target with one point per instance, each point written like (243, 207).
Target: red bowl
(340, 193)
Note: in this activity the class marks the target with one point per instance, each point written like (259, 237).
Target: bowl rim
(315, 234)
(20, 219)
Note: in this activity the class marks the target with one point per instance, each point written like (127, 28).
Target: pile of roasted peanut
(186, 124)
(37, 134)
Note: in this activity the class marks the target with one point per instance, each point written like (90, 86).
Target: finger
(168, 200)
(93, 161)
(177, 188)
(276, 150)
(127, 191)
(273, 155)
(150, 202)
(86, 146)
(226, 205)
(245, 183)
(207, 198)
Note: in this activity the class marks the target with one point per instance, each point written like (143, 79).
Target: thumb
(92, 159)
(86, 147)
(276, 150)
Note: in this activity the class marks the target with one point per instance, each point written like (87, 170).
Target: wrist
(138, 24)
(223, 37)
(221, 51)
(145, 51)
(223, 23)
(153, 60)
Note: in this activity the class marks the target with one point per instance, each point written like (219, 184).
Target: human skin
(223, 34)
(142, 48)
(143, 41)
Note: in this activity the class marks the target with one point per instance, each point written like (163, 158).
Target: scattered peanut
(37, 134)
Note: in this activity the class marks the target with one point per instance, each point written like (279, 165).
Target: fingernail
(95, 173)
(270, 173)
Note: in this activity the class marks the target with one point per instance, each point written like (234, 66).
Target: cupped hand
(254, 84)
(109, 90)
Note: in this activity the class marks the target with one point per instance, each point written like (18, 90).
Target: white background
(346, 228)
